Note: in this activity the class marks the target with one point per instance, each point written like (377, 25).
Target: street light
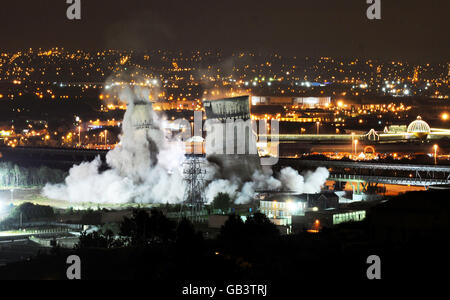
(356, 146)
(353, 140)
(79, 136)
(318, 124)
(435, 153)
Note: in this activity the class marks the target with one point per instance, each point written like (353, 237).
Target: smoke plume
(146, 167)
(289, 180)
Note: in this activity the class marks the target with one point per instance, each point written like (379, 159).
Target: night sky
(414, 29)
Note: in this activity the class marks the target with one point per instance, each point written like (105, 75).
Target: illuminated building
(317, 220)
(301, 102)
(419, 128)
(281, 207)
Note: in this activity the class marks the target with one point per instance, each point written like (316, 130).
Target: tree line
(13, 175)
(145, 229)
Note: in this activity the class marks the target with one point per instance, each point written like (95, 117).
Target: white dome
(419, 126)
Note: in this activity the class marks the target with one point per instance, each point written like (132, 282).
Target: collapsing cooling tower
(142, 116)
(234, 114)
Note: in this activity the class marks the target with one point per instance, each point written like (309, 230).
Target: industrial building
(301, 102)
(280, 208)
(317, 220)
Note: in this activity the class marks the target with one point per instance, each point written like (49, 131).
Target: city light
(435, 147)
(79, 136)
(293, 207)
(355, 142)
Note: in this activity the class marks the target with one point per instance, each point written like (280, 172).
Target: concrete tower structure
(231, 137)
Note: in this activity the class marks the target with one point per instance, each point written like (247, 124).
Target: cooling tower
(142, 116)
(146, 132)
(232, 143)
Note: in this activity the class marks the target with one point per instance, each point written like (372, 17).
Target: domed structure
(419, 128)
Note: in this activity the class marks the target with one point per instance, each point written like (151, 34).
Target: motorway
(383, 173)
(387, 180)
(372, 166)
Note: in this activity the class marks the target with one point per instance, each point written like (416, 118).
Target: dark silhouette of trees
(142, 228)
(233, 228)
(92, 240)
(12, 175)
(32, 212)
(222, 201)
(99, 239)
(259, 226)
(187, 236)
(256, 227)
(185, 232)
